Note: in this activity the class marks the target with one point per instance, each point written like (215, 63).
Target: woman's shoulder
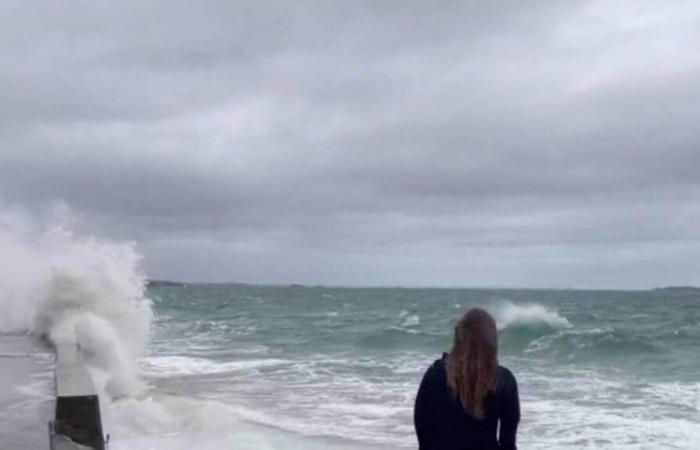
(503, 370)
(438, 365)
(437, 368)
(505, 377)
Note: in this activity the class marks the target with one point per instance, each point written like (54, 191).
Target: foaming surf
(183, 423)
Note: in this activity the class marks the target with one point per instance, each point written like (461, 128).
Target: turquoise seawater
(596, 369)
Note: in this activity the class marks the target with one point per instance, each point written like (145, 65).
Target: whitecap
(508, 314)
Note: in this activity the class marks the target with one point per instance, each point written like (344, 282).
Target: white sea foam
(604, 412)
(367, 410)
(409, 319)
(180, 423)
(162, 422)
(184, 365)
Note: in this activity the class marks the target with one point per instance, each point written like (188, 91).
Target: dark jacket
(442, 424)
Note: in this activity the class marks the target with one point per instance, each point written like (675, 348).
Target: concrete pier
(26, 397)
(78, 415)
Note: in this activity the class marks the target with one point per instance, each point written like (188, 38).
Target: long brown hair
(472, 363)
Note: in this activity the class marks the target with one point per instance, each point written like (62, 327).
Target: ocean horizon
(159, 282)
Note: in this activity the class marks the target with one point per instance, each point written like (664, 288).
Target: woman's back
(466, 395)
(442, 423)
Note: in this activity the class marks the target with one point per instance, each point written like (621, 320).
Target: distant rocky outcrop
(164, 283)
(679, 290)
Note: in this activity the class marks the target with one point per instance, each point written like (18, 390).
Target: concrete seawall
(78, 420)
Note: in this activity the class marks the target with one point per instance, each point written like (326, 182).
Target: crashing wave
(523, 324)
(70, 290)
(509, 315)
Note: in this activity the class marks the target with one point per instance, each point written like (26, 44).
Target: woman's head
(473, 361)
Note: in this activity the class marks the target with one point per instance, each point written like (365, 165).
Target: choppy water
(597, 369)
(250, 367)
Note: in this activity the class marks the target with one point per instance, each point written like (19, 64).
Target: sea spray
(83, 291)
(90, 292)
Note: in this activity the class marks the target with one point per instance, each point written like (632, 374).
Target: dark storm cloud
(509, 143)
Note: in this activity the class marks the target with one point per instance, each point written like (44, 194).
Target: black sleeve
(423, 415)
(509, 412)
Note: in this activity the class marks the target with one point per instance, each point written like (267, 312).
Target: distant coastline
(683, 290)
(165, 283)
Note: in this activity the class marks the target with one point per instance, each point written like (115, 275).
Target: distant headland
(681, 290)
(165, 283)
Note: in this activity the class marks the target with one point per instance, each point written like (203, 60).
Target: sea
(340, 366)
(237, 366)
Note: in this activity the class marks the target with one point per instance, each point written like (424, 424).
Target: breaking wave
(83, 291)
(509, 315)
(521, 324)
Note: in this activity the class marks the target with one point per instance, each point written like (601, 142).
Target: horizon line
(168, 282)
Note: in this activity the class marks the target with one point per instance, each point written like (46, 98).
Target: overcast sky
(441, 143)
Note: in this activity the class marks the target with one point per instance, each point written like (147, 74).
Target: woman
(465, 395)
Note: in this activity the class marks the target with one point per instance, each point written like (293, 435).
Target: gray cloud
(450, 143)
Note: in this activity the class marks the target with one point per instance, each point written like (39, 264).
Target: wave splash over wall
(90, 292)
(83, 291)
